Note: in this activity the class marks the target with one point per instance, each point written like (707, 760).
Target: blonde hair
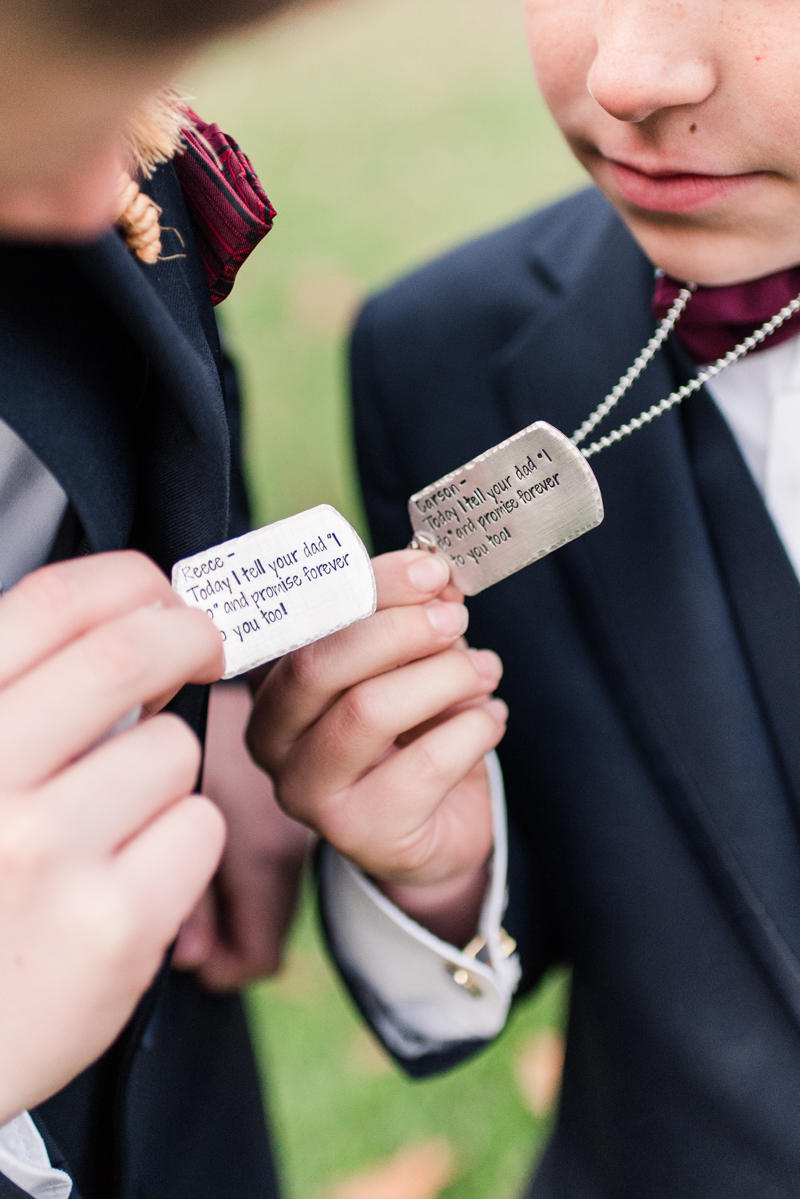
(154, 136)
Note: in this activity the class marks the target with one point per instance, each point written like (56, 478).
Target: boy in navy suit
(652, 762)
(118, 431)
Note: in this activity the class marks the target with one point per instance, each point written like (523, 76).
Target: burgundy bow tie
(717, 318)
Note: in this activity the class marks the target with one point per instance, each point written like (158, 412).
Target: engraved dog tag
(522, 499)
(280, 587)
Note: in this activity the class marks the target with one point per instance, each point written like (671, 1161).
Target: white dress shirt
(404, 974)
(760, 399)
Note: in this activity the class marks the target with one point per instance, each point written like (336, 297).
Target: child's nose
(651, 55)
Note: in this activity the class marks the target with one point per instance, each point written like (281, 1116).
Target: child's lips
(674, 192)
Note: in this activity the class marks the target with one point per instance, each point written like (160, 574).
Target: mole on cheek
(693, 128)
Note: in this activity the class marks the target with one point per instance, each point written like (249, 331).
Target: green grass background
(385, 131)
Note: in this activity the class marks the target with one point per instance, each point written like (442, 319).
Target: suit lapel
(563, 361)
(178, 278)
(184, 448)
(70, 384)
(762, 585)
(111, 375)
(647, 582)
(10, 1190)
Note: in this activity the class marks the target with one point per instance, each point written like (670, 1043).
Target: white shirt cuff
(403, 974)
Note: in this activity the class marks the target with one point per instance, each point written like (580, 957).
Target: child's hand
(103, 851)
(375, 736)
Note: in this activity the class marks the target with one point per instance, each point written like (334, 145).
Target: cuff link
(462, 978)
(507, 944)
(478, 951)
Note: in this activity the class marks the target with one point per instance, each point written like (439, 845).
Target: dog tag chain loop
(535, 492)
(632, 374)
(708, 372)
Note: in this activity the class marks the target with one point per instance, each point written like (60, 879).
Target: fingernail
(449, 620)
(486, 663)
(430, 573)
(498, 709)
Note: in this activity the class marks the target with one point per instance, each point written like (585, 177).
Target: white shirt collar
(759, 397)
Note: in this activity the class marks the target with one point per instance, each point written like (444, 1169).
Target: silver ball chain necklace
(534, 492)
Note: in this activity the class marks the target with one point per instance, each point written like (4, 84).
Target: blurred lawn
(384, 131)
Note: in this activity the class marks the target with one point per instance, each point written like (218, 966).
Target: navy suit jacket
(112, 372)
(652, 669)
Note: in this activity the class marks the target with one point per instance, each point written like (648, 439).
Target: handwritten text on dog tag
(280, 587)
(515, 503)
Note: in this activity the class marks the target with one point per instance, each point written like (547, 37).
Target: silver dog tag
(280, 587)
(515, 503)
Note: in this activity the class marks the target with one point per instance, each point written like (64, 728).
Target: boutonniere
(229, 209)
